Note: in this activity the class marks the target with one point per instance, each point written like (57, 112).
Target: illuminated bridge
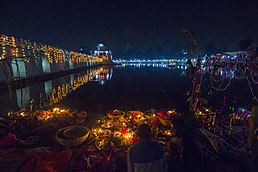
(21, 59)
(163, 62)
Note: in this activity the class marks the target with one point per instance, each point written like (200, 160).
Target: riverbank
(111, 135)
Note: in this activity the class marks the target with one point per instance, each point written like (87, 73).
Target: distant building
(102, 53)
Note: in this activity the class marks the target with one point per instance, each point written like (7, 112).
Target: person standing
(146, 155)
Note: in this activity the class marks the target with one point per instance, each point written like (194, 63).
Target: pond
(99, 90)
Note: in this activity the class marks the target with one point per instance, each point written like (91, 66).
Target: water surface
(127, 88)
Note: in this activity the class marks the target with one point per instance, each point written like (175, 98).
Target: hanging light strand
(251, 90)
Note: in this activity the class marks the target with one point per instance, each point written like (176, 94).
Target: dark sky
(144, 24)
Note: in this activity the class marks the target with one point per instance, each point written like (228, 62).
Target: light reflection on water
(134, 87)
(50, 92)
(129, 87)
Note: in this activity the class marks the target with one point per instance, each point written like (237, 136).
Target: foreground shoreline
(115, 131)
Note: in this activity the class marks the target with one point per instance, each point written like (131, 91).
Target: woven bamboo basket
(72, 136)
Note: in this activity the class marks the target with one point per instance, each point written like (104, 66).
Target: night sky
(144, 24)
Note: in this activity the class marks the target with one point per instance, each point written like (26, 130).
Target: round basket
(115, 114)
(137, 116)
(104, 133)
(103, 143)
(72, 136)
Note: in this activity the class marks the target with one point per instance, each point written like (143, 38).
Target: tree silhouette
(244, 44)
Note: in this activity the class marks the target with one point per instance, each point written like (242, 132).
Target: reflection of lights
(102, 82)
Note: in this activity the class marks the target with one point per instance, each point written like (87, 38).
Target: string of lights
(251, 89)
(18, 47)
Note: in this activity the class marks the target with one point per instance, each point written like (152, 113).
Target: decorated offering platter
(137, 116)
(115, 114)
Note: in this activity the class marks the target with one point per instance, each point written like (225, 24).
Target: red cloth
(164, 115)
(47, 162)
(9, 141)
(40, 161)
